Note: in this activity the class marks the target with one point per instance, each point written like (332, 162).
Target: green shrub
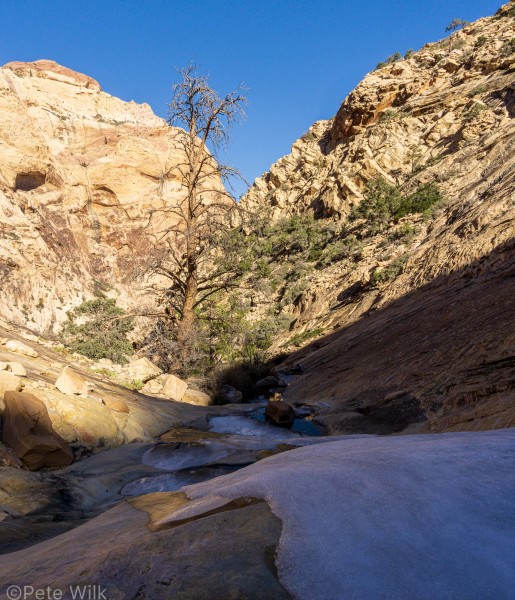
(384, 204)
(405, 232)
(378, 206)
(425, 198)
(308, 137)
(106, 373)
(339, 249)
(473, 112)
(388, 273)
(391, 59)
(456, 24)
(391, 114)
(480, 89)
(98, 329)
(409, 54)
(300, 339)
(480, 41)
(135, 384)
(508, 47)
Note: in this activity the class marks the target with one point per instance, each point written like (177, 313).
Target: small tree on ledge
(456, 24)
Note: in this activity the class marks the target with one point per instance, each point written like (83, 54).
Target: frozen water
(251, 427)
(231, 449)
(171, 458)
(171, 482)
(397, 518)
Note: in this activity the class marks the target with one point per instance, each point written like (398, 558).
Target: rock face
(79, 172)
(437, 331)
(27, 429)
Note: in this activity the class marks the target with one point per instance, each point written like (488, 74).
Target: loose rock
(280, 413)
(196, 397)
(21, 348)
(174, 388)
(69, 382)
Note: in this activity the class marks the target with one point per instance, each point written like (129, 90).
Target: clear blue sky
(299, 58)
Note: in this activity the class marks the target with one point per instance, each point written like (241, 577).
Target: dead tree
(188, 234)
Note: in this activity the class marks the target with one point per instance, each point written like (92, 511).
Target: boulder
(69, 382)
(230, 395)
(17, 368)
(280, 413)
(192, 396)
(28, 430)
(21, 348)
(8, 459)
(174, 388)
(142, 369)
(267, 382)
(3, 366)
(8, 383)
(154, 386)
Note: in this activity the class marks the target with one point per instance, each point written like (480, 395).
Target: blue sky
(298, 58)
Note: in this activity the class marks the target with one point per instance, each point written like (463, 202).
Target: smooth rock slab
(222, 556)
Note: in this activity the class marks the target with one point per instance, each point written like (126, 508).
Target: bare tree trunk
(188, 316)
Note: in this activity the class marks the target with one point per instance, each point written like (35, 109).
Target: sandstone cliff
(79, 171)
(431, 343)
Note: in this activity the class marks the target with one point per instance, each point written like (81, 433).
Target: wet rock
(69, 382)
(267, 382)
(27, 429)
(21, 348)
(174, 388)
(230, 395)
(280, 413)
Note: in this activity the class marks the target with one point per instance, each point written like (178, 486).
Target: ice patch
(250, 427)
(396, 518)
(171, 458)
(171, 482)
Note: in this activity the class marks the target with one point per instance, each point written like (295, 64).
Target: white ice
(426, 517)
(171, 482)
(247, 426)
